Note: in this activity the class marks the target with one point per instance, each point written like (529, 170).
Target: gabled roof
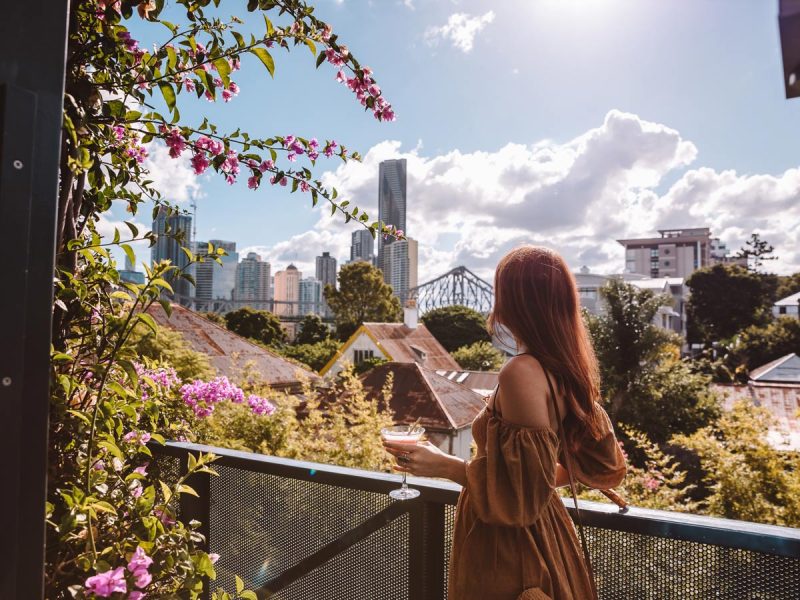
(480, 382)
(228, 352)
(792, 300)
(783, 370)
(419, 393)
(400, 343)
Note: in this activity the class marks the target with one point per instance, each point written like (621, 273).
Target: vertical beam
(33, 38)
(426, 552)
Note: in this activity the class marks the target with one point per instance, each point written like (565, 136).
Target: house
(444, 408)
(776, 387)
(408, 342)
(230, 354)
(789, 306)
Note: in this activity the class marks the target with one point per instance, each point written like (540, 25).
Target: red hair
(536, 299)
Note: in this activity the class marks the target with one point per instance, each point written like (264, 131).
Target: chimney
(411, 314)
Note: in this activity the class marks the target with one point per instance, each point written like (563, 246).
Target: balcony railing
(306, 531)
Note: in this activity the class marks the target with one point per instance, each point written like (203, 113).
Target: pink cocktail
(400, 434)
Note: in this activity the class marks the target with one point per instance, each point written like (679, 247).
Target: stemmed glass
(402, 434)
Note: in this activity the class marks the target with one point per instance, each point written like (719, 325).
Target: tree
(787, 285)
(726, 299)
(312, 330)
(215, 318)
(314, 356)
(259, 325)
(756, 251)
(748, 479)
(123, 102)
(758, 345)
(480, 356)
(456, 326)
(644, 383)
(362, 297)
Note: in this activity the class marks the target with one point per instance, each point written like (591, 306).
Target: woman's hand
(426, 460)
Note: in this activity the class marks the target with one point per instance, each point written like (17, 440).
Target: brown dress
(512, 533)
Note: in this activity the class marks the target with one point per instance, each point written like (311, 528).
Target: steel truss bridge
(459, 286)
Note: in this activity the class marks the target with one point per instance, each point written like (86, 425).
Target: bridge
(459, 286)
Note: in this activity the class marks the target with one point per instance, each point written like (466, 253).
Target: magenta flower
(213, 557)
(141, 470)
(326, 33)
(109, 582)
(259, 405)
(253, 182)
(189, 84)
(291, 157)
(267, 165)
(341, 77)
(136, 596)
(304, 187)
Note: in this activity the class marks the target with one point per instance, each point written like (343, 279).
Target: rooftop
(407, 345)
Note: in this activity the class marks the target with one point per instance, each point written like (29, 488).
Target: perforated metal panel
(263, 524)
(632, 566)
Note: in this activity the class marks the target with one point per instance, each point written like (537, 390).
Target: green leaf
(169, 94)
(311, 46)
(185, 489)
(248, 595)
(320, 59)
(158, 282)
(165, 491)
(129, 253)
(224, 70)
(239, 584)
(148, 320)
(103, 506)
(172, 57)
(239, 39)
(166, 305)
(266, 58)
(268, 23)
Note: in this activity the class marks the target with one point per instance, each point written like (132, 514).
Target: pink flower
(398, 233)
(217, 82)
(99, 466)
(333, 57)
(189, 84)
(234, 63)
(199, 162)
(291, 157)
(326, 33)
(137, 491)
(119, 132)
(388, 114)
(141, 470)
(259, 405)
(139, 560)
(253, 182)
(341, 77)
(267, 165)
(226, 96)
(213, 557)
(104, 584)
(652, 483)
(304, 187)
(284, 181)
(288, 140)
(136, 596)
(209, 96)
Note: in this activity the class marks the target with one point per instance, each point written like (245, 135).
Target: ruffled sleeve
(513, 481)
(600, 463)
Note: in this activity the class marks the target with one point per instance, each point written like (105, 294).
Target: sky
(568, 123)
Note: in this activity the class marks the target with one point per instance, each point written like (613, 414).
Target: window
(666, 250)
(653, 252)
(360, 356)
(781, 310)
(666, 263)
(588, 293)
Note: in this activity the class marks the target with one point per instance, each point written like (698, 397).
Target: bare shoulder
(523, 392)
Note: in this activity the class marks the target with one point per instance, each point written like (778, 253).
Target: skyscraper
(362, 246)
(172, 233)
(391, 198)
(310, 296)
(287, 291)
(400, 262)
(252, 281)
(216, 281)
(326, 269)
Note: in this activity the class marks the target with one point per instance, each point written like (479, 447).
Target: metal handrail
(768, 539)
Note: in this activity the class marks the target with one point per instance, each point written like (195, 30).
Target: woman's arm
(562, 477)
(426, 460)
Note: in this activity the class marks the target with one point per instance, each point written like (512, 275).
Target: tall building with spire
(326, 269)
(391, 198)
(173, 232)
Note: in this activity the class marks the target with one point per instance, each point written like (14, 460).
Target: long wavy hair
(536, 301)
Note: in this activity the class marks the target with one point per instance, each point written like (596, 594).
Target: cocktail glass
(400, 434)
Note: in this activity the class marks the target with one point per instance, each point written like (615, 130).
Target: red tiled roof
(418, 392)
(408, 345)
(228, 352)
(482, 382)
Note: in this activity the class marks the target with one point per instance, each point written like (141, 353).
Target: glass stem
(404, 486)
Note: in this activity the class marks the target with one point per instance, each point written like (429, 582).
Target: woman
(512, 537)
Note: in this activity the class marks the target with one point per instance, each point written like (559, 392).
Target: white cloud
(409, 4)
(460, 30)
(577, 196)
(173, 177)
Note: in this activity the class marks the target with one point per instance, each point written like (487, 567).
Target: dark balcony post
(426, 552)
(33, 41)
(198, 508)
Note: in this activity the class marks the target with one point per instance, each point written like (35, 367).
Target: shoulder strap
(568, 466)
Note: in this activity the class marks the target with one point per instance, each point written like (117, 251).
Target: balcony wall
(304, 531)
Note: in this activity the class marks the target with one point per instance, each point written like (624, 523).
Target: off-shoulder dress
(512, 533)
